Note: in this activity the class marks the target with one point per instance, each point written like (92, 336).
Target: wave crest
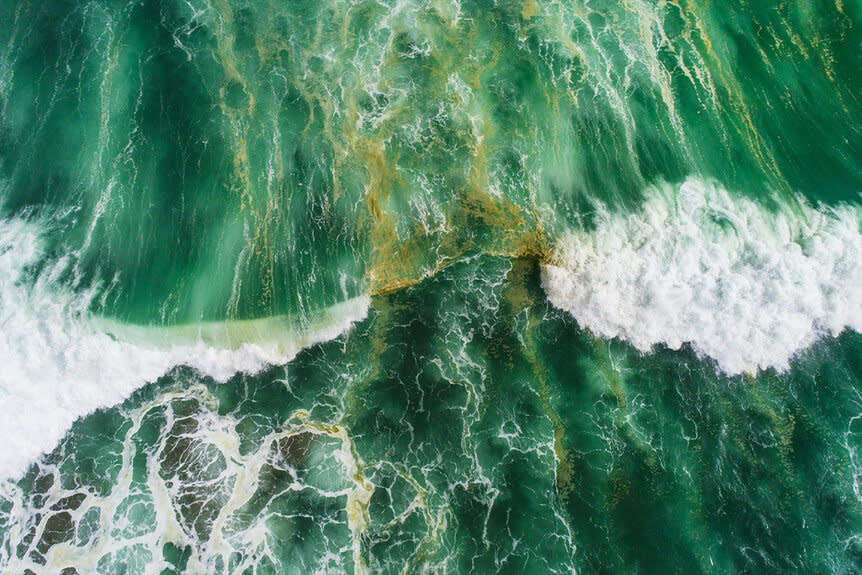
(59, 363)
(745, 285)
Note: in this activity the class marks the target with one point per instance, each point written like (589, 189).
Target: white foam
(58, 364)
(743, 284)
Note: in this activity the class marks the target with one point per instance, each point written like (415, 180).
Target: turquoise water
(430, 287)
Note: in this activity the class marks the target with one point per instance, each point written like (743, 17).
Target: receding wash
(430, 286)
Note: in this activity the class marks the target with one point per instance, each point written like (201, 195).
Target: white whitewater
(745, 285)
(58, 364)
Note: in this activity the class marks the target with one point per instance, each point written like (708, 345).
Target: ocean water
(430, 286)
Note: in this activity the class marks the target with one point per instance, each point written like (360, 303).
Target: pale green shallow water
(603, 262)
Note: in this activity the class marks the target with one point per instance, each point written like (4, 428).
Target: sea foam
(744, 284)
(57, 363)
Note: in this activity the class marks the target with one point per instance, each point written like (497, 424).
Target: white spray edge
(58, 364)
(744, 285)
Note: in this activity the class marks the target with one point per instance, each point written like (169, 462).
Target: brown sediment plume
(478, 223)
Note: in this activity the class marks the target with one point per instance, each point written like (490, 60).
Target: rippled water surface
(430, 286)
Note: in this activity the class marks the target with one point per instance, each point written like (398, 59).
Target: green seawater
(237, 173)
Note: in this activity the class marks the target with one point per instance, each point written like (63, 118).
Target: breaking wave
(59, 363)
(744, 284)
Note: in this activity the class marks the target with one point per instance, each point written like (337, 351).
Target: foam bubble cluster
(744, 284)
